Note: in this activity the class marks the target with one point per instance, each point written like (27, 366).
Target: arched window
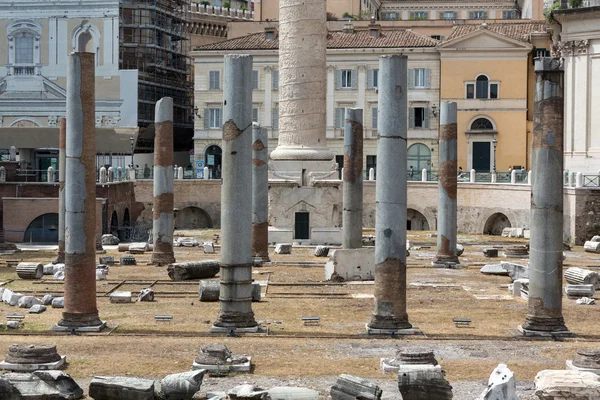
(213, 155)
(482, 87)
(482, 124)
(24, 47)
(85, 37)
(419, 157)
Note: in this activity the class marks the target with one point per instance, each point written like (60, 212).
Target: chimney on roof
(374, 29)
(348, 27)
(270, 33)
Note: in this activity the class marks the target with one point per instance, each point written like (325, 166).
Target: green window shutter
(220, 114)
(411, 78)
(426, 117)
(411, 117)
(338, 79)
(374, 118)
(206, 118)
(370, 79)
(427, 78)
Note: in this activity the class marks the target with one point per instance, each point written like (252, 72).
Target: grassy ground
(137, 345)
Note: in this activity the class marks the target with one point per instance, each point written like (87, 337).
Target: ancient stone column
(260, 194)
(62, 143)
(353, 179)
(162, 212)
(391, 197)
(302, 81)
(544, 316)
(80, 197)
(447, 182)
(236, 216)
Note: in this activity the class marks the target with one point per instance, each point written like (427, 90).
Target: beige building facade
(352, 81)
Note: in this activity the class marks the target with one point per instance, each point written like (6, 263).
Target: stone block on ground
(424, 383)
(567, 385)
(577, 291)
(120, 297)
(217, 357)
(209, 291)
(14, 298)
(110, 240)
(39, 385)
(256, 295)
(591, 247)
(30, 270)
(516, 271)
(501, 385)
(101, 274)
(14, 324)
(193, 270)
(582, 276)
(32, 357)
(28, 301)
(209, 248)
(106, 260)
(48, 269)
(146, 295)
(37, 309)
(460, 249)
(58, 267)
(585, 301)
(127, 260)
(47, 299)
(351, 265)
(349, 387)
(595, 239)
(138, 248)
(181, 386)
(249, 392)
(493, 269)
(121, 388)
(513, 232)
(283, 248)
(58, 302)
(321, 251)
(187, 242)
(292, 393)
(490, 253)
(59, 275)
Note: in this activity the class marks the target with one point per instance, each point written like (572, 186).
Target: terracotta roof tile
(360, 38)
(515, 30)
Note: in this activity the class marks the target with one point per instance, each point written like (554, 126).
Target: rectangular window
(255, 115)
(275, 121)
(24, 50)
(275, 79)
(511, 14)
(448, 15)
(470, 91)
(254, 80)
(389, 16)
(478, 15)
(437, 37)
(482, 89)
(339, 118)
(420, 77)
(215, 118)
(214, 80)
(493, 90)
(374, 118)
(346, 79)
(373, 79)
(418, 117)
(418, 15)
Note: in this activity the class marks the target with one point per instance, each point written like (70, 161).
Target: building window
(478, 15)
(418, 156)
(346, 79)
(374, 118)
(418, 15)
(24, 48)
(213, 118)
(275, 77)
(419, 78)
(539, 53)
(339, 118)
(470, 90)
(214, 80)
(481, 124)
(390, 16)
(420, 81)
(255, 115)
(418, 117)
(275, 121)
(437, 37)
(510, 14)
(482, 87)
(373, 80)
(448, 15)
(254, 80)
(493, 90)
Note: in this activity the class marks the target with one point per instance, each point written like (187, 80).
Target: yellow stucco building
(488, 71)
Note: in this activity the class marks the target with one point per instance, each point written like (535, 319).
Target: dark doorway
(408, 225)
(43, 229)
(301, 227)
(481, 156)
(212, 160)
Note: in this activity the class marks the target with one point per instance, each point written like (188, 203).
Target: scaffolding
(155, 40)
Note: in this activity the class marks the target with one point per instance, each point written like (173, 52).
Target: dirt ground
(289, 353)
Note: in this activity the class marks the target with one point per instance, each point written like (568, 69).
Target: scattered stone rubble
(146, 295)
(193, 270)
(567, 385)
(186, 242)
(283, 248)
(321, 251)
(110, 240)
(350, 387)
(218, 358)
(47, 385)
(30, 270)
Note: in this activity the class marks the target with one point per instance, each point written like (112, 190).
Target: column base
(531, 330)
(60, 258)
(231, 329)
(447, 264)
(257, 260)
(235, 320)
(160, 259)
(389, 332)
(79, 323)
(81, 329)
(387, 323)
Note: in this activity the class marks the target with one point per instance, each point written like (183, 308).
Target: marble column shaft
(353, 179)
(236, 216)
(260, 194)
(62, 166)
(546, 243)
(391, 197)
(447, 185)
(80, 195)
(162, 212)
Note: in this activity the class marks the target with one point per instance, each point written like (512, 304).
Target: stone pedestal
(32, 357)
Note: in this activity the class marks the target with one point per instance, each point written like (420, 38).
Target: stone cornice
(10, 9)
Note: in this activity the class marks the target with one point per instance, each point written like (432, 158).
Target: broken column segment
(390, 223)
(260, 194)
(420, 377)
(352, 387)
(32, 357)
(544, 316)
(162, 212)
(353, 179)
(62, 143)
(447, 183)
(80, 311)
(217, 357)
(236, 217)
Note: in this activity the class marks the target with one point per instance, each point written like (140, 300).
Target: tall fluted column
(447, 183)
(62, 143)
(162, 228)
(390, 217)
(353, 179)
(260, 194)
(236, 217)
(544, 316)
(80, 196)
(302, 81)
